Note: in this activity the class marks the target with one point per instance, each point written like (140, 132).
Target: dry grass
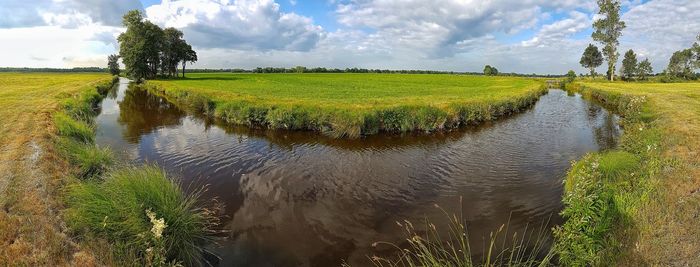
(31, 173)
(665, 229)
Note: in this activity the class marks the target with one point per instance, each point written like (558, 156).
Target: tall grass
(77, 130)
(116, 209)
(428, 245)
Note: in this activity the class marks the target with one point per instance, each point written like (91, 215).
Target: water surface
(300, 199)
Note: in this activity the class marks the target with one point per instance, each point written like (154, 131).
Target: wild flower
(158, 224)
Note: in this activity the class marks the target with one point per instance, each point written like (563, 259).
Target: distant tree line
(148, 51)
(302, 69)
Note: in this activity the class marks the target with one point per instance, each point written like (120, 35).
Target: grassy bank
(31, 171)
(139, 215)
(637, 205)
(55, 176)
(351, 105)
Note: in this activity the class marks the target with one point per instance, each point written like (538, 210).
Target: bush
(144, 209)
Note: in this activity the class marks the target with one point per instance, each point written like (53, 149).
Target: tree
(591, 58)
(131, 46)
(490, 71)
(147, 50)
(644, 69)
(681, 64)
(173, 51)
(696, 47)
(607, 31)
(570, 76)
(113, 64)
(629, 65)
(189, 55)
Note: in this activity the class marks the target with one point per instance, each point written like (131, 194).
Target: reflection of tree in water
(142, 113)
(605, 126)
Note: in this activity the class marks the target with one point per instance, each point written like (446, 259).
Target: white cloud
(238, 24)
(560, 30)
(658, 28)
(64, 13)
(515, 35)
(435, 28)
(53, 46)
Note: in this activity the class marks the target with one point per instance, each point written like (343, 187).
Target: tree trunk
(184, 63)
(611, 71)
(593, 73)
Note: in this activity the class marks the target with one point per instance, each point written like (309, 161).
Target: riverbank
(638, 205)
(67, 201)
(31, 171)
(351, 105)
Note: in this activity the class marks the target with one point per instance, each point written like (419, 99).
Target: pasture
(352, 105)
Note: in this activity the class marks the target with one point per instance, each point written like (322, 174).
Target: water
(300, 199)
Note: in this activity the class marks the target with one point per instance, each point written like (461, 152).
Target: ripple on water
(296, 198)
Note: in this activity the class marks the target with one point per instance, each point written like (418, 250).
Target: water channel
(302, 199)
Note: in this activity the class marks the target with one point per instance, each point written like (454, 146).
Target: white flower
(158, 224)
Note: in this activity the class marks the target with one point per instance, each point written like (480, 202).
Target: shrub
(144, 209)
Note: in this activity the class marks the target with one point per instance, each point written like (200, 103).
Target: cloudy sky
(526, 36)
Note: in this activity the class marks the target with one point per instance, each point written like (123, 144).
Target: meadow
(637, 205)
(53, 176)
(351, 105)
(31, 170)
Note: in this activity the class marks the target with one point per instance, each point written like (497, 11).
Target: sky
(524, 36)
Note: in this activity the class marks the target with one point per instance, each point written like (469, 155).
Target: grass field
(352, 104)
(30, 171)
(638, 206)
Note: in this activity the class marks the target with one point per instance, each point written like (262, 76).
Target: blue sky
(541, 36)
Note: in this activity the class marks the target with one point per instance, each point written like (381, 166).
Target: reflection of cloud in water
(295, 198)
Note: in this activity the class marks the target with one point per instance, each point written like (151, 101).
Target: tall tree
(607, 31)
(113, 64)
(132, 44)
(591, 58)
(629, 65)
(644, 69)
(173, 51)
(189, 56)
(153, 37)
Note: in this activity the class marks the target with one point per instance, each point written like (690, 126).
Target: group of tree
(632, 69)
(490, 71)
(146, 50)
(683, 63)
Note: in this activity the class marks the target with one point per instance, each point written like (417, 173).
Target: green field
(353, 104)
